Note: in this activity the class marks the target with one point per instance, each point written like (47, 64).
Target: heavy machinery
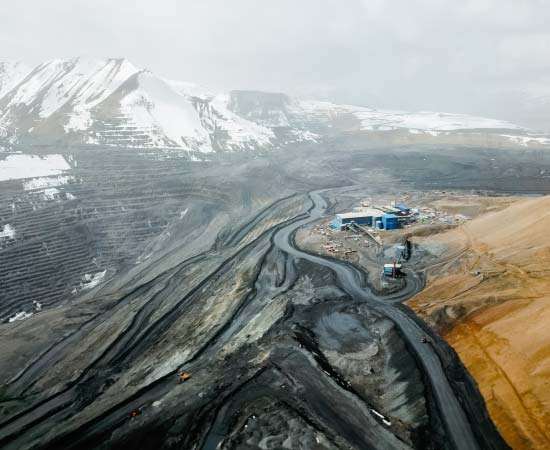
(183, 377)
(392, 270)
(402, 252)
(136, 412)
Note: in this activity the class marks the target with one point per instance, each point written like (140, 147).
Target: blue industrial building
(390, 222)
(365, 218)
(370, 218)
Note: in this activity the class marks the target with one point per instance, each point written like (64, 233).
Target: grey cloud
(485, 57)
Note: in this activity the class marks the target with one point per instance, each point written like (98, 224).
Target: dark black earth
(285, 350)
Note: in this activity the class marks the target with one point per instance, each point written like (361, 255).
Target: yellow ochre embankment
(491, 302)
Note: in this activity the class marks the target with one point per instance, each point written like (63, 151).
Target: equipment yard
(371, 248)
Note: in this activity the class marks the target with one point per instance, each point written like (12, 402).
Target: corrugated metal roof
(367, 213)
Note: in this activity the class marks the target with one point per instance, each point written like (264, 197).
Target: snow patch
(91, 281)
(11, 74)
(158, 111)
(426, 120)
(524, 141)
(51, 194)
(22, 315)
(80, 119)
(8, 232)
(46, 182)
(309, 136)
(239, 130)
(385, 120)
(18, 166)
(81, 81)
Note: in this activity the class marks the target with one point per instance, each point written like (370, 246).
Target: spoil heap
(491, 302)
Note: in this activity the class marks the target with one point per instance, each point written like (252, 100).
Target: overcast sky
(488, 57)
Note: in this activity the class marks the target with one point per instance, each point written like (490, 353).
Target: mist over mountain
(93, 101)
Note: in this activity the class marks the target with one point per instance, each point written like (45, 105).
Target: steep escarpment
(491, 301)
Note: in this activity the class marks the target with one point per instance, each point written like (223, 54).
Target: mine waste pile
(492, 304)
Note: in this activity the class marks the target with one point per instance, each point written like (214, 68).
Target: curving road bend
(456, 422)
(13, 431)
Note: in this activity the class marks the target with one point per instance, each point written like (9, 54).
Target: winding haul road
(456, 422)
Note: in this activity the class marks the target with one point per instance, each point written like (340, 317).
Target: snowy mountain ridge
(11, 72)
(112, 102)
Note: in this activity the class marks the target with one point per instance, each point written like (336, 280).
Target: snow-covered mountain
(228, 131)
(11, 73)
(100, 102)
(112, 102)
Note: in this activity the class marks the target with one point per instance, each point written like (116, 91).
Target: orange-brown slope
(492, 304)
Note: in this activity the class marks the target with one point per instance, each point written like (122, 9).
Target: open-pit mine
(152, 300)
(285, 225)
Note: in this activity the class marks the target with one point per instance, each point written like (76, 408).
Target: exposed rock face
(366, 351)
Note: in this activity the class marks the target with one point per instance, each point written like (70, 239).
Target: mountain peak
(110, 101)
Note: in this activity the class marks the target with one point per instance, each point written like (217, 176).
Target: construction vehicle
(183, 377)
(136, 412)
(392, 270)
(402, 252)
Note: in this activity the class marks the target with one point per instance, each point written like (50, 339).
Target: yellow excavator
(184, 376)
